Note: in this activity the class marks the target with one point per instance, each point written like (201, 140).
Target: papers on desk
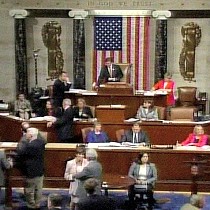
(4, 113)
(44, 97)
(149, 93)
(113, 106)
(193, 148)
(152, 93)
(132, 120)
(8, 144)
(81, 91)
(85, 120)
(89, 93)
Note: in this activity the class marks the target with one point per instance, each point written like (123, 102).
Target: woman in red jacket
(197, 138)
(166, 84)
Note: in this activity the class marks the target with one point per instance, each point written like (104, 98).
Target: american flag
(126, 39)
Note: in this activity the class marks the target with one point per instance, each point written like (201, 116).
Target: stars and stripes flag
(126, 39)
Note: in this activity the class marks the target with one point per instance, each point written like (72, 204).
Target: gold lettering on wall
(124, 4)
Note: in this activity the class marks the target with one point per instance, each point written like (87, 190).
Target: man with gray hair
(64, 124)
(196, 203)
(92, 170)
(94, 201)
(32, 152)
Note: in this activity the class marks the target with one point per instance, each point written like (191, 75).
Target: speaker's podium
(116, 88)
(112, 113)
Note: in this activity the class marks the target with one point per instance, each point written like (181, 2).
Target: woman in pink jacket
(72, 167)
(197, 138)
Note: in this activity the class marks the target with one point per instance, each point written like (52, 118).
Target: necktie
(110, 71)
(135, 138)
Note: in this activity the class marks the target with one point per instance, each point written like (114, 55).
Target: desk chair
(119, 134)
(126, 69)
(182, 114)
(161, 112)
(143, 198)
(85, 131)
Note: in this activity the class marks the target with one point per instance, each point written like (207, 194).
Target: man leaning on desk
(136, 136)
(109, 72)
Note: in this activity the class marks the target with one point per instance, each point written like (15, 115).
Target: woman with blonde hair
(197, 138)
(82, 110)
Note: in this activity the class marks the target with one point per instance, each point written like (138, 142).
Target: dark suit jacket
(142, 137)
(96, 202)
(64, 125)
(86, 112)
(104, 74)
(33, 155)
(4, 164)
(58, 91)
(57, 112)
(92, 170)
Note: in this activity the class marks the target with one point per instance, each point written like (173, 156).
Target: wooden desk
(131, 101)
(173, 173)
(159, 133)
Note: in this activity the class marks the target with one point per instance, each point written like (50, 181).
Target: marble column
(161, 43)
(78, 47)
(20, 50)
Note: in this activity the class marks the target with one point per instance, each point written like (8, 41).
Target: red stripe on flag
(128, 39)
(146, 50)
(137, 22)
(94, 72)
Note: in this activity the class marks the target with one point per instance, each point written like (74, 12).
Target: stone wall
(34, 40)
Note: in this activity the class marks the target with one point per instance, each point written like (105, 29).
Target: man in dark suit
(64, 124)
(4, 164)
(136, 135)
(60, 85)
(110, 72)
(94, 201)
(92, 170)
(32, 151)
(54, 201)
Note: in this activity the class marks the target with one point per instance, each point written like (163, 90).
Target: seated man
(23, 107)
(94, 201)
(136, 135)
(196, 203)
(110, 72)
(97, 135)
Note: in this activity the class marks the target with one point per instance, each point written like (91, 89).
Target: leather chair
(85, 131)
(126, 69)
(161, 112)
(187, 96)
(119, 134)
(182, 114)
(93, 110)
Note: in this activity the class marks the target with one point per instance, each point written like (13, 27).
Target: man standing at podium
(110, 72)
